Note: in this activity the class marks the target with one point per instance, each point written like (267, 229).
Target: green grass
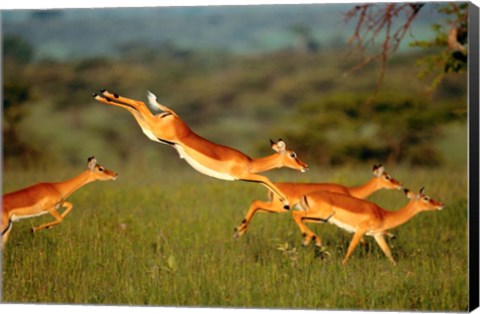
(162, 237)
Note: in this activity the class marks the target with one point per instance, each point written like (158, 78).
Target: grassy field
(160, 236)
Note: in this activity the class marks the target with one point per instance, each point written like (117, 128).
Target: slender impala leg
(6, 228)
(58, 217)
(384, 246)
(5, 235)
(357, 236)
(136, 114)
(136, 104)
(5, 222)
(257, 206)
(267, 183)
(308, 235)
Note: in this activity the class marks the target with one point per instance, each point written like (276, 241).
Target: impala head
(289, 157)
(385, 180)
(99, 172)
(423, 202)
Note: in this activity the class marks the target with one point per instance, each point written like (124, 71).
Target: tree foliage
(393, 128)
(391, 21)
(452, 39)
(236, 100)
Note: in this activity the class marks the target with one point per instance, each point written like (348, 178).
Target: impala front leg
(385, 248)
(252, 177)
(257, 206)
(56, 215)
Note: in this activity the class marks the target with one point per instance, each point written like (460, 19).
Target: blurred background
(238, 75)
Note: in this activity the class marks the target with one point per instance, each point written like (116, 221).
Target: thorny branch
(372, 19)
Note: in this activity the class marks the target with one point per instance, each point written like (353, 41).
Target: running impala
(211, 159)
(295, 191)
(43, 198)
(359, 216)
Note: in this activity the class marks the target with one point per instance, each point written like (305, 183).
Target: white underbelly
(17, 217)
(201, 168)
(149, 133)
(341, 225)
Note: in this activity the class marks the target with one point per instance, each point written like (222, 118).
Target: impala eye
(388, 177)
(293, 155)
(101, 168)
(426, 198)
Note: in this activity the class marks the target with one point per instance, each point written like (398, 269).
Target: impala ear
(279, 146)
(409, 194)
(421, 190)
(92, 162)
(378, 170)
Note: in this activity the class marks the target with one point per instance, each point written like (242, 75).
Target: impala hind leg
(255, 207)
(357, 236)
(136, 114)
(6, 228)
(308, 235)
(137, 104)
(58, 217)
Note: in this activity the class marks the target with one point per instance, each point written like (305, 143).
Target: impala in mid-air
(211, 159)
(359, 216)
(43, 198)
(295, 191)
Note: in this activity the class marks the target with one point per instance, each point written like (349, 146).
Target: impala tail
(305, 205)
(152, 101)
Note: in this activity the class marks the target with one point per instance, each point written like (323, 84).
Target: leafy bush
(393, 127)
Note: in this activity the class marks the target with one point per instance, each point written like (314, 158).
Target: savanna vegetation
(162, 233)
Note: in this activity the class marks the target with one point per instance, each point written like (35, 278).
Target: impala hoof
(94, 95)
(115, 95)
(237, 234)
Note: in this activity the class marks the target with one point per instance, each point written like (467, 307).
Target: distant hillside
(76, 33)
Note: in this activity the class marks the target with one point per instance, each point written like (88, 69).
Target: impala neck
(264, 163)
(67, 187)
(364, 190)
(394, 219)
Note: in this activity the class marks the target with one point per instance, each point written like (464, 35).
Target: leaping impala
(43, 198)
(295, 191)
(211, 159)
(359, 216)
